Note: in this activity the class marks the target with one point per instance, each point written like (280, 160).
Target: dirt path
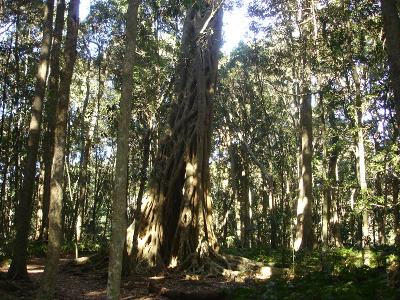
(92, 285)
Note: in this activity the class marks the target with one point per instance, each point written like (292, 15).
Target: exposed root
(231, 267)
(98, 261)
(172, 294)
(15, 289)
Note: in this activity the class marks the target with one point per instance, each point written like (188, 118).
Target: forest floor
(77, 284)
(338, 273)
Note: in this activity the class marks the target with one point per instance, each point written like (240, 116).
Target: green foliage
(5, 252)
(331, 274)
(262, 254)
(37, 249)
(84, 247)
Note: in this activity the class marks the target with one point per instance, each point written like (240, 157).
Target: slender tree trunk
(5, 85)
(396, 214)
(14, 183)
(50, 108)
(391, 26)
(325, 184)
(304, 231)
(360, 157)
(83, 178)
(39, 211)
(264, 214)
(359, 141)
(83, 164)
(118, 232)
(99, 180)
(246, 208)
(86, 139)
(380, 211)
(272, 209)
(6, 164)
(18, 268)
(232, 156)
(5, 149)
(49, 279)
(333, 216)
(242, 201)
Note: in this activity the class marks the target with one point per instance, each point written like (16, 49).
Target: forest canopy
(131, 128)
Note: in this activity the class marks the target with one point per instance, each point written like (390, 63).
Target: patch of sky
(236, 24)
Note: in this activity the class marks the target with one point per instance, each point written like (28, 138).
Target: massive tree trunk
(176, 224)
(49, 279)
(18, 268)
(118, 232)
(391, 26)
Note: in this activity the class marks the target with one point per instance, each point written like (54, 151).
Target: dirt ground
(78, 284)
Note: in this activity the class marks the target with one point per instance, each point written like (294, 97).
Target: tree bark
(132, 245)
(18, 268)
(50, 108)
(49, 279)
(360, 154)
(359, 140)
(391, 26)
(176, 224)
(396, 214)
(86, 140)
(380, 212)
(272, 209)
(304, 231)
(39, 210)
(333, 216)
(5, 149)
(325, 184)
(244, 202)
(118, 232)
(234, 197)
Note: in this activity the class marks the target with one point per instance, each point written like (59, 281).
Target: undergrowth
(39, 249)
(332, 274)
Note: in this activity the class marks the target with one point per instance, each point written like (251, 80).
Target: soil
(78, 283)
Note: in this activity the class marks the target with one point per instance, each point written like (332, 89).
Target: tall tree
(304, 231)
(358, 130)
(176, 225)
(18, 268)
(50, 107)
(49, 279)
(118, 232)
(333, 216)
(391, 26)
(87, 133)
